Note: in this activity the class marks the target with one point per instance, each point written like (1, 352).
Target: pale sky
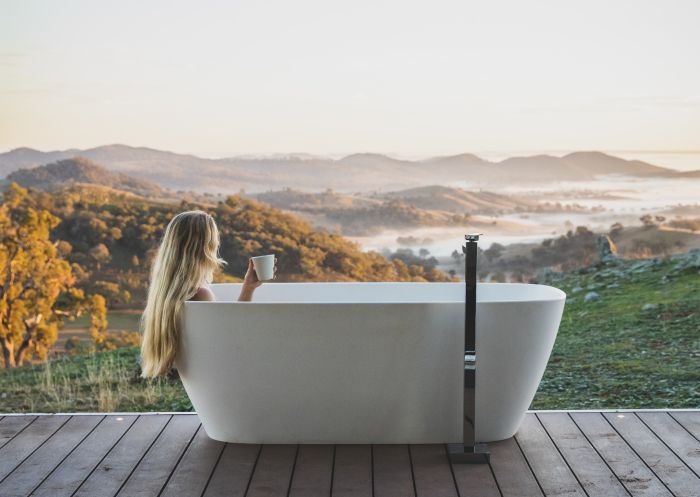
(219, 78)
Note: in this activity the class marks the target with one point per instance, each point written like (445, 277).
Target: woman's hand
(251, 281)
(251, 278)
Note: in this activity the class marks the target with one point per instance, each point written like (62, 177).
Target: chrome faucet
(469, 451)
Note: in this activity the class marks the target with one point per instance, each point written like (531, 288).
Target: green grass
(612, 354)
(102, 382)
(608, 354)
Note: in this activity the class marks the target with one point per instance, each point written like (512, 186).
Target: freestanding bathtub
(364, 362)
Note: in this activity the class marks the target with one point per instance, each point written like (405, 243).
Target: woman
(185, 263)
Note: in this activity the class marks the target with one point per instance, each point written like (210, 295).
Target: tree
(616, 229)
(36, 283)
(100, 253)
(494, 251)
(98, 318)
(115, 233)
(647, 220)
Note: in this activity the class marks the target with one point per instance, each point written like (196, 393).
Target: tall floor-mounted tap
(469, 451)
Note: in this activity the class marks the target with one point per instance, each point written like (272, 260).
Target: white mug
(264, 266)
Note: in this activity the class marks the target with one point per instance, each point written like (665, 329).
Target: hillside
(617, 317)
(299, 200)
(457, 200)
(111, 235)
(426, 206)
(578, 248)
(353, 173)
(79, 170)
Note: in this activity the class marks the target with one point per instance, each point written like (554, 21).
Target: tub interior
(387, 292)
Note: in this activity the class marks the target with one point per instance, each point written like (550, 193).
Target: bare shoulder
(203, 294)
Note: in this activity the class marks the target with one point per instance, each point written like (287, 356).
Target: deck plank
(111, 472)
(196, 466)
(313, 471)
(75, 468)
(690, 420)
(475, 479)
(232, 473)
(431, 471)
(393, 476)
(629, 468)
(512, 472)
(35, 468)
(660, 459)
(273, 471)
(26, 442)
(10, 426)
(352, 471)
(549, 467)
(675, 436)
(155, 468)
(574, 453)
(593, 473)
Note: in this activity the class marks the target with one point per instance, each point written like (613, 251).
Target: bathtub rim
(554, 294)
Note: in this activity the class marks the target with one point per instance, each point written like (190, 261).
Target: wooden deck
(574, 453)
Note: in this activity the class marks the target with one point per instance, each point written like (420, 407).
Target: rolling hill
(457, 200)
(356, 172)
(79, 170)
(434, 205)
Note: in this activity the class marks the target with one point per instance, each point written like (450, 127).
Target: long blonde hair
(186, 259)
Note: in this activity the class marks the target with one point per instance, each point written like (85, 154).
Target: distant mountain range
(354, 173)
(81, 171)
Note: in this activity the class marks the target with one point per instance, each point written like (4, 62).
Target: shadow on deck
(573, 453)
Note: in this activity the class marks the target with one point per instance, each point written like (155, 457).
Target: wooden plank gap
(674, 451)
(333, 469)
(216, 465)
(67, 455)
(679, 419)
(252, 470)
(294, 467)
(179, 459)
(515, 438)
(108, 452)
(627, 442)
(498, 485)
(7, 435)
(661, 460)
(682, 443)
(452, 470)
(599, 454)
(160, 432)
(41, 442)
(413, 473)
(551, 439)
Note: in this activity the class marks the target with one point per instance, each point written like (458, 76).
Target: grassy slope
(105, 381)
(609, 353)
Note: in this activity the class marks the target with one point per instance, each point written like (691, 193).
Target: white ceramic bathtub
(364, 362)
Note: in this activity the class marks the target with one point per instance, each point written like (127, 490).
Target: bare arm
(251, 282)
